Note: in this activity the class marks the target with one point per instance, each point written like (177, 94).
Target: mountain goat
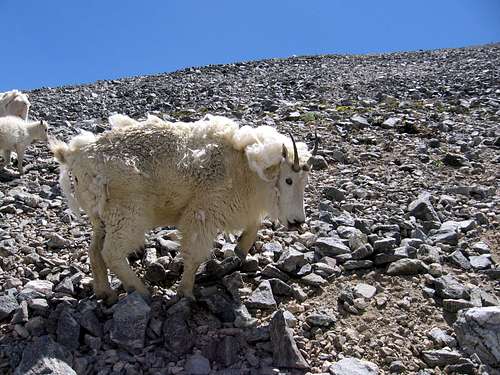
(17, 134)
(14, 103)
(202, 177)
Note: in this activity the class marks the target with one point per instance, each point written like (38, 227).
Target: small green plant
(310, 117)
(438, 163)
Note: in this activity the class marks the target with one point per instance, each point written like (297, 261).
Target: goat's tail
(60, 150)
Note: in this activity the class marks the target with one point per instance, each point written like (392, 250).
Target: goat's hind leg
(121, 240)
(102, 289)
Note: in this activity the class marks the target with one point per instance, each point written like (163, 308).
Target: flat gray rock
(480, 262)
(384, 245)
(44, 287)
(262, 297)
(407, 267)
(449, 287)
(364, 290)
(320, 319)
(441, 357)
(458, 259)
(270, 271)
(441, 338)
(353, 366)
(197, 365)
(313, 280)
(391, 122)
(8, 304)
(360, 121)
(291, 260)
(331, 246)
(449, 237)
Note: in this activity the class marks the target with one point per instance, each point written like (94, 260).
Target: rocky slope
(396, 270)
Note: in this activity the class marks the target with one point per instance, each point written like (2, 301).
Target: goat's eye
(289, 181)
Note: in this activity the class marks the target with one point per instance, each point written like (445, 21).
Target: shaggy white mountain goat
(17, 134)
(14, 103)
(202, 177)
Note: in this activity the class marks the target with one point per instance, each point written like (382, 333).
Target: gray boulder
(130, 319)
(177, 333)
(477, 331)
(285, 350)
(422, 208)
(44, 356)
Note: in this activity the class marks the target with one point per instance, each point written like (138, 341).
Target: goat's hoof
(240, 253)
(109, 296)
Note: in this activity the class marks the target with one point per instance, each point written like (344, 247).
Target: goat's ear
(272, 172)
(284, 152)
(41, 122)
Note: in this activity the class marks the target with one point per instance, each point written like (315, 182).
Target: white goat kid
(202, 177)
(14, 103)
(17, 134)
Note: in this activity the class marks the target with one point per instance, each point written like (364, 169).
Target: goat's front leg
(246, 241)
(121, 239)
(102, 289)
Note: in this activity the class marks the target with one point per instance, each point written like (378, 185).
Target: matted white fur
(262, 145)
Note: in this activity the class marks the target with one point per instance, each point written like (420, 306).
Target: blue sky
(60, 42)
